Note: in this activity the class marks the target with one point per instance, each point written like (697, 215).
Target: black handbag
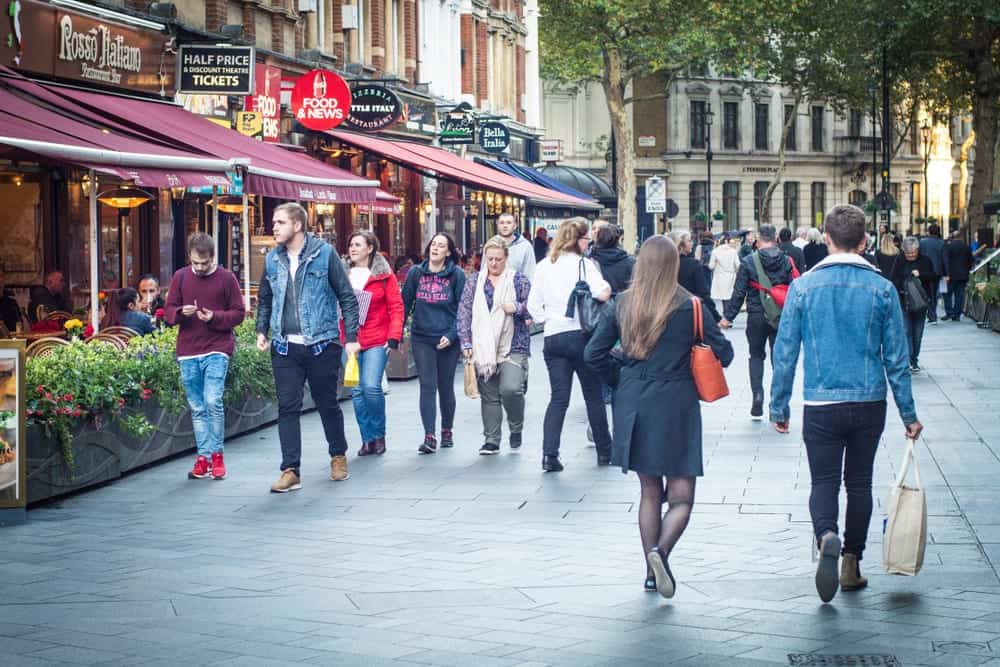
(581, 300)
(914, 295)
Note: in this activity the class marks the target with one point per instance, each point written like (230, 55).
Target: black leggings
(436, 371)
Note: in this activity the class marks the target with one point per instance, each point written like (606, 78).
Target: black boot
(551, 464)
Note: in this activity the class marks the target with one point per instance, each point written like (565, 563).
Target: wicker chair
(44, 347)
(117, 342)
(121, 332)
(59, 315)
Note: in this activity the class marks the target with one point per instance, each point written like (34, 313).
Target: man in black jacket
(689, 275)
(958, 262)
(792, 250)
(760, 334)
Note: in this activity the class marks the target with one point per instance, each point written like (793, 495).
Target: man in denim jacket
(848, 319)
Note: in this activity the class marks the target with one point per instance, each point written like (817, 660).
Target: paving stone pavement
(457, 559)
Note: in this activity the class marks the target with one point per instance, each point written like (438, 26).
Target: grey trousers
(505, 388)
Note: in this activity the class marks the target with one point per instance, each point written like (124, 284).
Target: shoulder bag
(709, 378)
(582, 302)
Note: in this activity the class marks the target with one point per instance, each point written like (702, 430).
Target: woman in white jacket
(724, 264)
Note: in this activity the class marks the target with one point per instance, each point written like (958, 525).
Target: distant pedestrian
(885, 256)
(522, 253)
(703, 253)
(761, 332)
(790, 249)
(493, 330)
(801, 237)
(541, 244)
(912, 266)
(130, 313)
(725, 264)
(690, 276)
(749, 244)
(380, 328)
(932, 247)
(432, 292)
(304, 292)
(206, 304)
(958, 263)
(616, 264)
(850, 327)
(548, 303)
(815, 250)
(657, 414)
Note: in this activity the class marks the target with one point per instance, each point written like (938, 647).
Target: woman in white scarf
(494, 335)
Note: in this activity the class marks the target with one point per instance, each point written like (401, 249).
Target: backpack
(772, 297)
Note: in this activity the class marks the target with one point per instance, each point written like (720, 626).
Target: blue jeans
(914, 323)
(204, 382)
(368, 399)
(954, 300)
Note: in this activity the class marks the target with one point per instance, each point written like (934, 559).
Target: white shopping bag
(906, 524)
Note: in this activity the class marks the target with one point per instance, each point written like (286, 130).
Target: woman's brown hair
(567, 237)
(372, 242)
(652, 298)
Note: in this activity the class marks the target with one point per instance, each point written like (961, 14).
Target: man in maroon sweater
(205, 303)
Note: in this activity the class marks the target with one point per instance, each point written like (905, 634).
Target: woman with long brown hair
(556, 278)
(657, 416)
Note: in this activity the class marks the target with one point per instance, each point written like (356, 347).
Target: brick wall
(137, 5)
(410, 40)
(482, 73)
(278, 29)
(300, 36)
(249, 22)
(468, 38)
(215, 14)
(335, 36)
(378, 36)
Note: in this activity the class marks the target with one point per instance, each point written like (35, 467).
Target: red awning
(385, 203)
(271, 170)
(30, 126)
(448, 166)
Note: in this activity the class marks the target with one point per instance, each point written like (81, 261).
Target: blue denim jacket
(848, 319)
(317, 301)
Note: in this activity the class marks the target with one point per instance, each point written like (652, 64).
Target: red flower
(41, 389)
(160, 314)
(78, 412)
(121, 401)
(88, 331)
(146, 393)
(48, 396)
(67, 397)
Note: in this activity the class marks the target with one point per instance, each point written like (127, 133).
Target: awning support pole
(246, 253)
(213, 232)
(95, 287)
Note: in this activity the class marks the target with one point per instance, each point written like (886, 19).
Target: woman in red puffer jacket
(380, 327)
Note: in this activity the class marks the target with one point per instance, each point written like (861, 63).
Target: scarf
(492, 331)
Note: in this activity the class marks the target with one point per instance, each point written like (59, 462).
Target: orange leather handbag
(709, 378)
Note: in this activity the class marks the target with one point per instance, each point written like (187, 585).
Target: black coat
(10, 313)
(779, 269)
(796, 254)
(885, 263)
(657, 414)
(958, 260)
(616, 267)
(541, 249)
(903, 268)
(691, 277)
(814, 254)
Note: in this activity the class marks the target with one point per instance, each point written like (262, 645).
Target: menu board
(13, 459)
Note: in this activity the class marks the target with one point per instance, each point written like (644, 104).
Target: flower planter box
(401, 365)
(993, 316)
(107, 453)
(975, 307)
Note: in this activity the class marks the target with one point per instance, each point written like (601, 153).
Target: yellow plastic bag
(351, 372)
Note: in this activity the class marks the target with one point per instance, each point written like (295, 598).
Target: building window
(697, 124)
(854, 123)
(818, 203)
(731, 125)
(791, 144)
(759, 190)
(817, 129)
(916, 200)
(731, 204)
(696, 198)
(791, 210)
(760, 126)
(857, 198)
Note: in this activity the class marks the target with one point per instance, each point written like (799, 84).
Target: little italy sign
(100, 52)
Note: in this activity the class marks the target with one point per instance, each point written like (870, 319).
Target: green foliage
(93, 382)
(991, 293)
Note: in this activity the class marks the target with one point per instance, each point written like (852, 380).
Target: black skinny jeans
(760, 336)
(843, 437)
(564, 356)
(436, 372)
(290, 374)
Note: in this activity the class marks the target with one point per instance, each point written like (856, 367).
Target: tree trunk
(614, 83)
(985, 102)
(963, 179)
(765, 204)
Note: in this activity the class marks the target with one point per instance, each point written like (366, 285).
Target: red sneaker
(201, 469)
(218, 466)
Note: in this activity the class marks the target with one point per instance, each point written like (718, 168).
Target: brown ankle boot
(850, 573)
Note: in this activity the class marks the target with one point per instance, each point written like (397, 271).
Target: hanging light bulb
(127, 196)
(229, 204)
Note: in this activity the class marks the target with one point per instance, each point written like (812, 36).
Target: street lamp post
(709, 117)
(925, 135)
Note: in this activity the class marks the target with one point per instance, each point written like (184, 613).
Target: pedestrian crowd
(623, 326)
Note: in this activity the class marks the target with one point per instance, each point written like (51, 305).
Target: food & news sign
(40, 38)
